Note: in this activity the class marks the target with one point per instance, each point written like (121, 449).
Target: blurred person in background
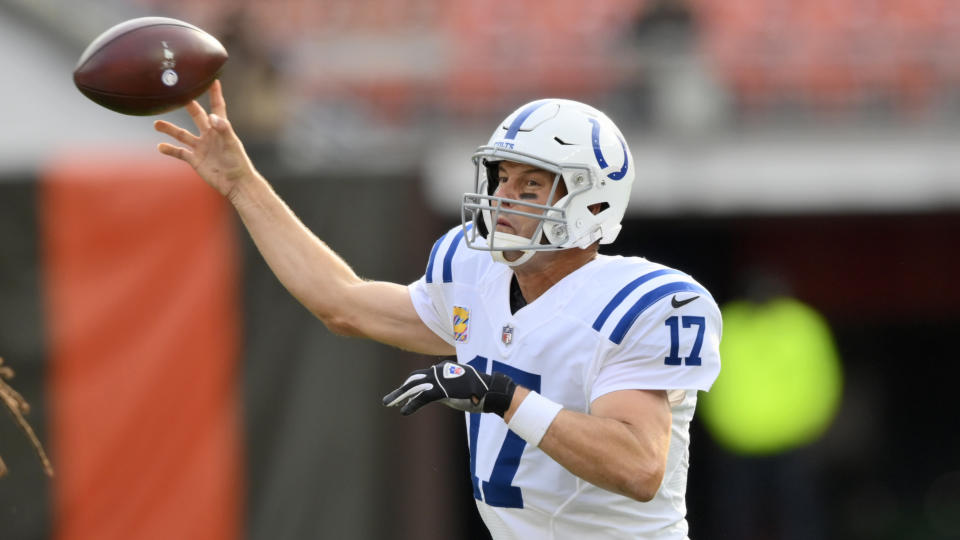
(578, 371)
(255, 84)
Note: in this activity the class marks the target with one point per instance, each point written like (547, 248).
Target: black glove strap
(497, 399)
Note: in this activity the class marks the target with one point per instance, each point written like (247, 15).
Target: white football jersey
(616, 323)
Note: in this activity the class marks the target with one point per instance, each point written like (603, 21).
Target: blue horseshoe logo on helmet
(595, 136)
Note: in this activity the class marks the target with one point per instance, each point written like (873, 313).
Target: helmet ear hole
(596, 208)
(493, 175)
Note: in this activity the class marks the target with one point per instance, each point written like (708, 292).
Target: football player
(578, 372)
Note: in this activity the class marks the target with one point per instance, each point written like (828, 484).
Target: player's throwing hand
(216, 153)
(455, 385)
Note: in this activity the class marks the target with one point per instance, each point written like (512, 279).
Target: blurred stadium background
(809, 148)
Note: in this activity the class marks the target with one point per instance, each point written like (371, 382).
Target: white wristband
(533, 417)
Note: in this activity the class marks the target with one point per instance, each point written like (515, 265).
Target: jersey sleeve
(432, 293)
(431, 308)
(672, 343)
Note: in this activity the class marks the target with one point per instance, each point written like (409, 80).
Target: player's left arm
(620, 446)
(623, 443)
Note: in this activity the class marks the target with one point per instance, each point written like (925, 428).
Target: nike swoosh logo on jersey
(680, 303)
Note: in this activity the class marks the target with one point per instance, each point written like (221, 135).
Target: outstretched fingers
(177, 152)
(218, 105)
(404, 393)
(176, 132)
(180, 135)
(199, 116)
(415, 403)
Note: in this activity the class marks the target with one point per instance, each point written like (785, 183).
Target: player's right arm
(319, 278)
(323, 282)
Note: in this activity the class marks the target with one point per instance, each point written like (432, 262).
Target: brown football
(149, 65)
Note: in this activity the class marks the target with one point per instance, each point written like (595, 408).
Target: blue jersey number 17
(688, 321)
(499, 491)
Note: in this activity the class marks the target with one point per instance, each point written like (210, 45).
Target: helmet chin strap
(525, 256)
(507, 240)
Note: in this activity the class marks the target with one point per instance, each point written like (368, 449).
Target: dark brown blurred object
(253, 85)
(19, 407)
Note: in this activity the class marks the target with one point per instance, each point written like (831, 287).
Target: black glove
(458, 386)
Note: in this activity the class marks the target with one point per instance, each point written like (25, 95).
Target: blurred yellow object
(781, 381)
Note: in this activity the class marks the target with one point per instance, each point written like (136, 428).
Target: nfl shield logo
(452, 371)
(506, 336)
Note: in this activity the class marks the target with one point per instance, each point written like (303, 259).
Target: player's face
(526, 185)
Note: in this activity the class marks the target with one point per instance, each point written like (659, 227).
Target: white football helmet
(582, 147)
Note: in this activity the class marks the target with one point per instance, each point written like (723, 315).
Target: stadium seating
(468, 58)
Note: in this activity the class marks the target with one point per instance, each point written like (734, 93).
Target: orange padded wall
(141, 283)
